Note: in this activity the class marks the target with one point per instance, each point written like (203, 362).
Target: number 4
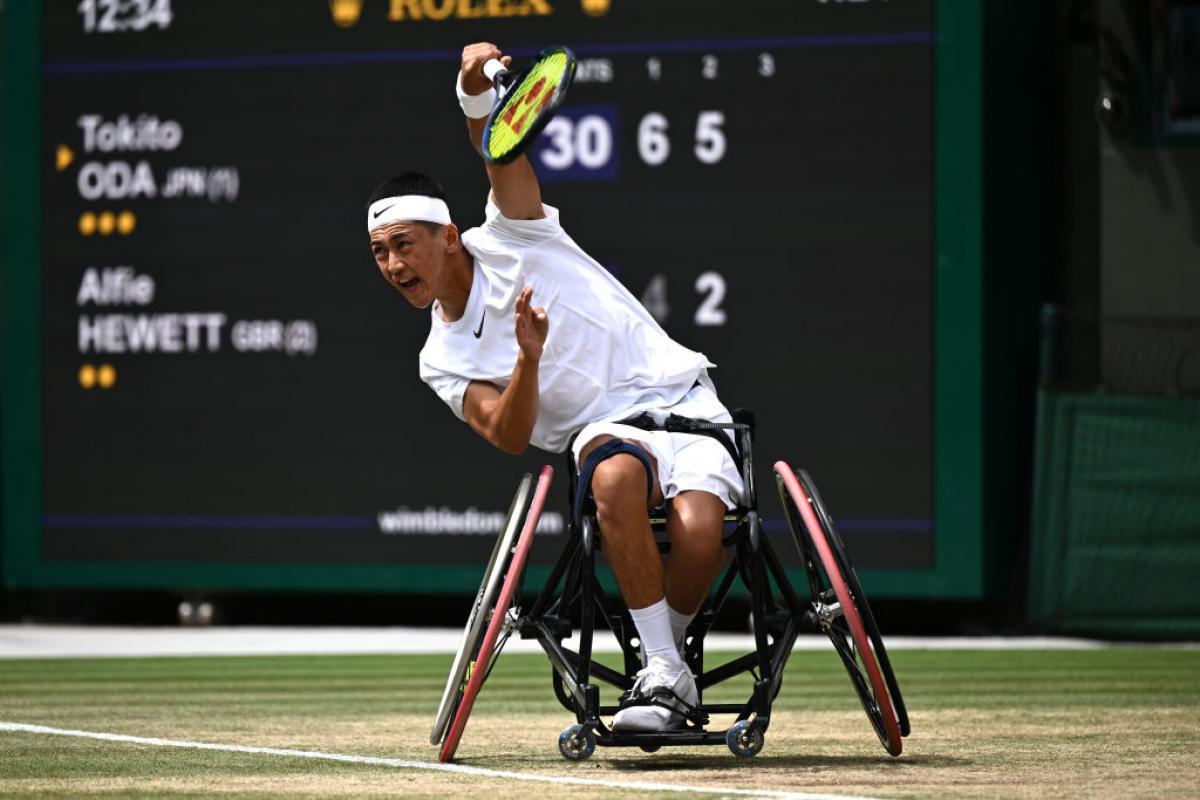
(161, 14)
(655, 298)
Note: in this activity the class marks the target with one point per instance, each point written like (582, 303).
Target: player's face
(412, 258)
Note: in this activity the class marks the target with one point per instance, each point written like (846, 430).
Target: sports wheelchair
(572, 598)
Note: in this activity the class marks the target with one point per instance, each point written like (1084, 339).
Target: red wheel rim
(511, 579)
(892, 742)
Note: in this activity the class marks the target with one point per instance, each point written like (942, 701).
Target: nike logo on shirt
(479, 332)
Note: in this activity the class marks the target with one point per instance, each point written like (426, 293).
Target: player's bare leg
(619, 489)
(695, 521)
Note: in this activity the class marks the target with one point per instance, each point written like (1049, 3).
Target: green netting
(1115, 547)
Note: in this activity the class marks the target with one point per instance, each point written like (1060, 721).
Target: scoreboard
(227, 392)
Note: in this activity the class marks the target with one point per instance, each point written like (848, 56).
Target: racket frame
(504, 81)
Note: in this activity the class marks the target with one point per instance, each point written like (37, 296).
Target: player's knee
(619, 487)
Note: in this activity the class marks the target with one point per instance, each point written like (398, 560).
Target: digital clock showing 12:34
(116, 16)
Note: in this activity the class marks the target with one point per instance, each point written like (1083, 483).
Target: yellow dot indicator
(87, 223)
(126, 222)
(87, 376)
(106, 222)
(106, 376)
(345, 12)
(63, 157)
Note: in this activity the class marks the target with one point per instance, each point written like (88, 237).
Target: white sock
(654, 628)
(679, 625)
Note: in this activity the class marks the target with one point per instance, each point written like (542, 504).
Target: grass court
(1118, 722)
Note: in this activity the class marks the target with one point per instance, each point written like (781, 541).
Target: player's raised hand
(532, 325)
(474, 56)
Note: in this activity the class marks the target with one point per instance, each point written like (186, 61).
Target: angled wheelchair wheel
(468, 647)
(840, 606)
(868, 618)
(500, 616)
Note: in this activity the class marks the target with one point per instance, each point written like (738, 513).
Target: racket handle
(493, 68)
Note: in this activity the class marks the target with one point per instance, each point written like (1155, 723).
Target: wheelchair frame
(836, 606)
(779, 616)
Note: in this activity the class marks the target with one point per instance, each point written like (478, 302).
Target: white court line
(77, 641)
(17, 727)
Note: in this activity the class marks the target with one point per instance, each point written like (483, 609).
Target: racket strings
(524, 103)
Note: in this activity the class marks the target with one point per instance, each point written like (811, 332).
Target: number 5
(710, 139)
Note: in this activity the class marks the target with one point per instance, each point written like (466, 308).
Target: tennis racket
(527, 100)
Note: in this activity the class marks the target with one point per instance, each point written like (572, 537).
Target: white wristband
(475, 106)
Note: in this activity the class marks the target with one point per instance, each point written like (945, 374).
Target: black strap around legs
(605, 451)
(698, 427)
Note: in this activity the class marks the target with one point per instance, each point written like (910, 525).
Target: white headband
(405, 208)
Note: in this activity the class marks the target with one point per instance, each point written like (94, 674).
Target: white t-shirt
(605, 357)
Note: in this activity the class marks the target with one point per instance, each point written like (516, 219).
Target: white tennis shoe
(660, 696)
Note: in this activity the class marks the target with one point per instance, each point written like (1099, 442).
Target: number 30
(588, 142)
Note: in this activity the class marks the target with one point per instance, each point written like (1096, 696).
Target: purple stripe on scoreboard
(194, 521)
(297, 522)
(583, 50)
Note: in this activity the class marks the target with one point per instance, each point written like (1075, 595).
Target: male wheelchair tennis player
(832, 603)
(640, 403)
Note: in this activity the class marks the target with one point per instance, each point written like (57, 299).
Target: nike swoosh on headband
(380, 211)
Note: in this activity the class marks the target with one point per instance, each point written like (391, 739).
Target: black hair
(408, 183)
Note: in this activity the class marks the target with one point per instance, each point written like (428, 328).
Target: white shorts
(686, 461)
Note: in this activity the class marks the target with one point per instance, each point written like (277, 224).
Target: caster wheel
(650, 748)
(744, 740)
(576, 743)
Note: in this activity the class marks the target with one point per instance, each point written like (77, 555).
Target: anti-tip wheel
(744, 740)
(576, 743)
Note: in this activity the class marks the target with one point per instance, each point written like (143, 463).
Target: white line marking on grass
(93, 641)
(17, 727)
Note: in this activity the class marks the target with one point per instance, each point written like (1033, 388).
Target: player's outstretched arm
(506, 419)
(515, 187)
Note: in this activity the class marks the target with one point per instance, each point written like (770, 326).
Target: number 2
(710, 314)
(108, 16)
